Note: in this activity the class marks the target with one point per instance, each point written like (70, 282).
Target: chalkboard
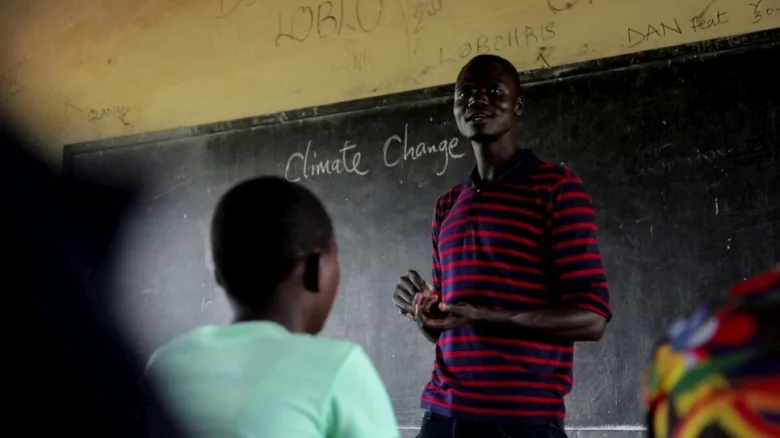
(679, 149)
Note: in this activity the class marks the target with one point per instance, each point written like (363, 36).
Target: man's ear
(311, 273)
(519, 106)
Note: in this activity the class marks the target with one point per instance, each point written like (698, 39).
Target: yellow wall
(75, 70)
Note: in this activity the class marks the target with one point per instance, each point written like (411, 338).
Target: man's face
(486, 104)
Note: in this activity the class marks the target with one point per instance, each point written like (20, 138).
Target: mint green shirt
(256, 379)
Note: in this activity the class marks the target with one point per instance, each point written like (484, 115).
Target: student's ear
(519, 106)
(311, 273)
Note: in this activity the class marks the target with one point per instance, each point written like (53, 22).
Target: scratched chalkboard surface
(680, 151)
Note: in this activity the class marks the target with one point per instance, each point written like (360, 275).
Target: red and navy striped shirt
(524, 242)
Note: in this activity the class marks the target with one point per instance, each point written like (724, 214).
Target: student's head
(488, 98)
(274, 250)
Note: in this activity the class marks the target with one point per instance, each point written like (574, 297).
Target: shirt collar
(524, 160)
(265, 326)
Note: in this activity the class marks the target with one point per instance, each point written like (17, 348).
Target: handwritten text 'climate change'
(396, 150)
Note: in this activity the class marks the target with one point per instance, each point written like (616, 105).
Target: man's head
(488, 98)
(273, 245)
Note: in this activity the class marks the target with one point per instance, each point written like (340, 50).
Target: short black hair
(508, 67)
(262, 228)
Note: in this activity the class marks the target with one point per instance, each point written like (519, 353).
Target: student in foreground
(265, 375)
(717, 373)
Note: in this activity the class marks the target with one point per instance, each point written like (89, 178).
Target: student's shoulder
(344, 359)
(358, 404)
(332, 352)
(319, 342)
(176, 347)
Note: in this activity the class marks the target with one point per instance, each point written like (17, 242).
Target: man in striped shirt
(517, 276)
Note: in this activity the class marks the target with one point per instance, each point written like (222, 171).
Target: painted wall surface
(77, 70)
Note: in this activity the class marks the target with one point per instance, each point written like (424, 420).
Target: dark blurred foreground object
(66, 365)
(717, 373)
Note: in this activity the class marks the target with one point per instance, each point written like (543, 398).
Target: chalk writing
(706, 8)
(361, 59)
(669, 158)
(637, 37)
(117, 112)
(702, 22)
(396, 150)
(95, 115)
(329, 18)
(10, 80)
(227, 7)
(544, 53)
(517, 38)
(761, 10)
(394, 154)
(309, 166)
(421, 10)
(563, 5)
(356, 56)
(364, 19)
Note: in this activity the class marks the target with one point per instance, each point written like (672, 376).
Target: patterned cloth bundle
(717, 373)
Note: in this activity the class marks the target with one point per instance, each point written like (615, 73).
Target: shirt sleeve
(581, 279)
(360, 406)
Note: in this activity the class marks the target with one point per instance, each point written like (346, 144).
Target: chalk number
(759, 13)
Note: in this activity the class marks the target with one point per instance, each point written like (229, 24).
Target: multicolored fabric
(717, 373)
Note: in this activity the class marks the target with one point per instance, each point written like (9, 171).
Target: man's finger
(423, 317)
(419, 317)
(427, 302)
(428, 322)
(419, 298)
(409, 317)
(441, 323)
(401, 296)
(455, 309)
(404, 294)
(403, 305)
(406, 284)
(417, 280)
